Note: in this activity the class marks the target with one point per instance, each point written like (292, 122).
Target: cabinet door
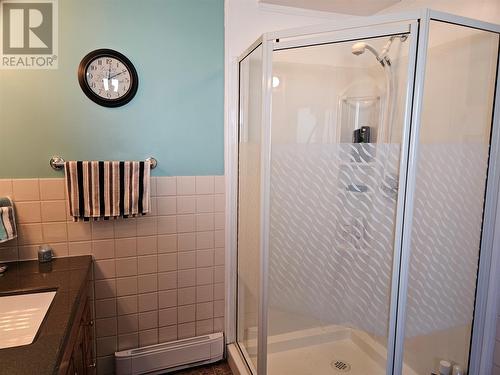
(79, 353)
(78, 358)
(82, 359)
(88, 340)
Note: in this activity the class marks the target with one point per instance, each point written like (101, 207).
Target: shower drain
(340, 366)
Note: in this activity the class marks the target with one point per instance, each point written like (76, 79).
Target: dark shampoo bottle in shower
(364, 134)
(356, 136)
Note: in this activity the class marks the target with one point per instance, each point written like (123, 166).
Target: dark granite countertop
(69, 277)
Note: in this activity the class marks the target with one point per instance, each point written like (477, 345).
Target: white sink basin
(21, 316)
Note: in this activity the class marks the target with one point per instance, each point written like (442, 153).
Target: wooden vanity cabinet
(78, 357)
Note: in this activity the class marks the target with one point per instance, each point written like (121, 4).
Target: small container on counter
(45, 253)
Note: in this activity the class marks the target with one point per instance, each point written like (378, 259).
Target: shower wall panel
(446, 235)
(332, 221)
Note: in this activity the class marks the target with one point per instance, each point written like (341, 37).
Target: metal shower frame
(417, 24)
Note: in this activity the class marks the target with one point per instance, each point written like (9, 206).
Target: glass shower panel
(337, 121)
(449, 195)
(250, 104)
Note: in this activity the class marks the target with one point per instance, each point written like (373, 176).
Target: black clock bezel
(105, 52)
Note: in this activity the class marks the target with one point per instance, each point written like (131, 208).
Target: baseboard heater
(170, 356)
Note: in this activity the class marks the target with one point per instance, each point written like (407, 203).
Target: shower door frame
(485, 303)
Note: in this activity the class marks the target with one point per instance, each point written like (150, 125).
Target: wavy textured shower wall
(446, 236)
(331, 245)
(321, 269)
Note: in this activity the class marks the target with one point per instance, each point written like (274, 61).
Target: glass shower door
(453, 150)
(338, 128)
(249, 169)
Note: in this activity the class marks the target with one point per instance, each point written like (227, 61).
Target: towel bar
(57, 162)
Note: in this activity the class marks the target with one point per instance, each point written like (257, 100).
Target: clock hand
(117, 74)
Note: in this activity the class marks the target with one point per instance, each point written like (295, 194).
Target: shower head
(360, 48)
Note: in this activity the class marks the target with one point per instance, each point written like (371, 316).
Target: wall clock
(108, 78)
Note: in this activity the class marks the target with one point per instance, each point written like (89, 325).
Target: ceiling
(354, 7)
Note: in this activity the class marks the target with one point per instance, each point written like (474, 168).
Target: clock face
(108, 78)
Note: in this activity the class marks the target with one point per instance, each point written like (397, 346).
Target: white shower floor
(310, 349)
(317, 359)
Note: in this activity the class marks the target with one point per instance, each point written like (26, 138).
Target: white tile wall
(157, 278)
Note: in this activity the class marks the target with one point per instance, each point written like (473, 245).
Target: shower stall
(366, 184)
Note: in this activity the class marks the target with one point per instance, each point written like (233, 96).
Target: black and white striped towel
(107, 189)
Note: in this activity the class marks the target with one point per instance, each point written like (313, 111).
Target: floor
(219, 368)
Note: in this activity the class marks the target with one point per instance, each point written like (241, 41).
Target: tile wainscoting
(157, 278)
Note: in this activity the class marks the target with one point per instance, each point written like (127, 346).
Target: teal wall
(177, 47)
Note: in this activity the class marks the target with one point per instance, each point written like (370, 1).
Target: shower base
(322, 350)
(327, 351)
(321, 359)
